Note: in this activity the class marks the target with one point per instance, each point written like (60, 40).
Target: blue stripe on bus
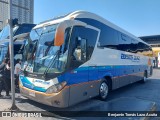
(25, 80)
(85, 74)
(90, 73)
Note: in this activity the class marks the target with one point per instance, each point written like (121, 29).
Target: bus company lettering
(41, 81)
(130, 57)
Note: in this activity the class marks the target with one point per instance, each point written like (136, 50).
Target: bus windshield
(4, 34)
(44, 56)
(3, 52)
(30, 47)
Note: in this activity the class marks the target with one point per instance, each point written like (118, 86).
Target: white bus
(79, 56)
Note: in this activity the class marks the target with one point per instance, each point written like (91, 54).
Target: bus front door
(82, 45)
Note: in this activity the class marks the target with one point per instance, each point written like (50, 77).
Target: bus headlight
(56, 88)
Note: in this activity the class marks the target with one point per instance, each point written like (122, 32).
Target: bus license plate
(31, 93)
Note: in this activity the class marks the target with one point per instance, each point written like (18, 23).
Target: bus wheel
(103, 90)
(144, 77)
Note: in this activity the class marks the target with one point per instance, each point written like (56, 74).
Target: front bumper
(55, 99)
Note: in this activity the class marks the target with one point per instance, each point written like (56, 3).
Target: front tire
(103, 90)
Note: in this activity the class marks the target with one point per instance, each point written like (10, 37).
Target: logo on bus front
(130, 57)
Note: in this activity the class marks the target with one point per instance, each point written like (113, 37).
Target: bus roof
(84, 14)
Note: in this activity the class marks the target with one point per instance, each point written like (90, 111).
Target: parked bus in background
(79, 56)
(18, 31)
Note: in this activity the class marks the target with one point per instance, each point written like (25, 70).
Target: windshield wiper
(51, 63)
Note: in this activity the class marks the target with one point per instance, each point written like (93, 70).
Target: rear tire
(103, 90)
(144, 77)
(151, 70)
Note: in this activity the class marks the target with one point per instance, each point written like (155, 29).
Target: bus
(79, 56)
(18, 31)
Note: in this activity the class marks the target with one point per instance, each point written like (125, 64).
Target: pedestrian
(7, 79)
(17, 70)
(2, 67)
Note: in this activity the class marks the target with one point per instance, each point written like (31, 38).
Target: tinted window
(89, 35)
(144, 49)
(134, 46)
(83, 41)
(113, 39)
(108, 38)
(124, 42)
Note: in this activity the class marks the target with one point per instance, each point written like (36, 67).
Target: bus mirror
(20, 36)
